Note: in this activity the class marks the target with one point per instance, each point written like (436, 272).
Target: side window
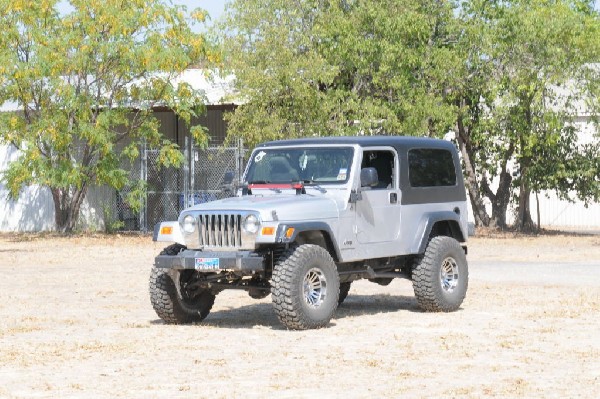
(383, 161)
(431, 168)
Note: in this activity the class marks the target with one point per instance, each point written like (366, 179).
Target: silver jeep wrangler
(311, 216)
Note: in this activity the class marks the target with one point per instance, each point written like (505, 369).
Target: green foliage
(111, 224)
(506, 75)
(86, 83)
(339, 67)
(540, 57)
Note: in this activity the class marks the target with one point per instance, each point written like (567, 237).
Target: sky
(214, 7)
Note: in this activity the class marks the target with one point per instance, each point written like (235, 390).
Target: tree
(86, 82)
(316, 67)
(495, 72)
(535, 55)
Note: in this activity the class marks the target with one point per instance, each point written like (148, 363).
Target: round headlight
(189, 224)
(251, 224)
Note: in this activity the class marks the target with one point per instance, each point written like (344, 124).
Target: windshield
(307, 165)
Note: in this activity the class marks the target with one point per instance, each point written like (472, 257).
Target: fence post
(193, 155)
(144, 178)
(240, 159)
(186, 173)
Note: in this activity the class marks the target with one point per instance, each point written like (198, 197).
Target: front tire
(173, 305)
(441, 277)
(305, 288)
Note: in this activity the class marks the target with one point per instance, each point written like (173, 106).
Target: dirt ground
(76, 322)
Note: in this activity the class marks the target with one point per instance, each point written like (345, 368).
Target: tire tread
(425, 276)
(287, 305)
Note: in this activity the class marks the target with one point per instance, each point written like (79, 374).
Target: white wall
(34, 209)
(554, 212)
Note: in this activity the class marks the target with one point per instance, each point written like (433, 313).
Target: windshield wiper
(313, 183)
(259, 182)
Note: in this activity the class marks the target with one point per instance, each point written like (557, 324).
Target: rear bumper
(240, 261)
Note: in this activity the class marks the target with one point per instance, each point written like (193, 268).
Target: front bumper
(239, 261)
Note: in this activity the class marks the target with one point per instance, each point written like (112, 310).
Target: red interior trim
(296, 186)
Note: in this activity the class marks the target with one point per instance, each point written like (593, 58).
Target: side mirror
(228, 178)
(227, 186)
(368, 177)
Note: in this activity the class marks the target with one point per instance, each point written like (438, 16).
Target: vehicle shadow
(263, 315)
(356, 305)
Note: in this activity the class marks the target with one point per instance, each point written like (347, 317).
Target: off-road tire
(441, 277)
(344, 289)
(289, 288)
(167, 301)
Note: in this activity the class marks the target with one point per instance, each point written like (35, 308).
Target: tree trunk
(501, 200)
(524, 222)
(479, 212)
(60, 216)
(67, 204)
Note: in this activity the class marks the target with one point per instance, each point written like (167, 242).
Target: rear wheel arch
(441, 224)
(449, 228)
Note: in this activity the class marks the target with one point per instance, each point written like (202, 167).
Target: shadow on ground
(263, 314)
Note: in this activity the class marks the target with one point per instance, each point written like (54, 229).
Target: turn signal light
(289, 232)
(167, 230)
(268, 231)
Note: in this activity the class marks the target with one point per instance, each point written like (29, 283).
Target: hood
(288, 207)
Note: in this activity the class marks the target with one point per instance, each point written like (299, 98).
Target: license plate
(206, 263)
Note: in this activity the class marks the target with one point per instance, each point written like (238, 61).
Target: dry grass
(76, 322)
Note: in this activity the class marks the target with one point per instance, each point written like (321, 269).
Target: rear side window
(429, 167)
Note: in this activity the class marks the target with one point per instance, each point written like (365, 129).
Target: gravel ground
(76, 322)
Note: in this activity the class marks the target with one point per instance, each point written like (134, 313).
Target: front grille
(220, 230)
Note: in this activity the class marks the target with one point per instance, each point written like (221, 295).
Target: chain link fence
(207, 171)
(169, 190)
(165, 187)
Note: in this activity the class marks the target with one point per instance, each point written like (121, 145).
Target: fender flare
(308, 226)
(430, 219)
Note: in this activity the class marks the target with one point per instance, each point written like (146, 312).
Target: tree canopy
(539, 59)
(505, 76)
(339, 67)
(85, 83)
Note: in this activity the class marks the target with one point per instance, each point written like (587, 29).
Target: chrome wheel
(449, 274)
(314, 287)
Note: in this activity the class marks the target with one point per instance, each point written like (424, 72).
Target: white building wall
(556, 213)
(34, 209)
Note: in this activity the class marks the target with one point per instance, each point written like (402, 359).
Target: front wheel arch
(317, 237)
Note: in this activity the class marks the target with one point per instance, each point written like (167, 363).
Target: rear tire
(305, 287)
(344, 290)
(441, 277)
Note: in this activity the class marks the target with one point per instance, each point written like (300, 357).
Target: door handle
(393, 198)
